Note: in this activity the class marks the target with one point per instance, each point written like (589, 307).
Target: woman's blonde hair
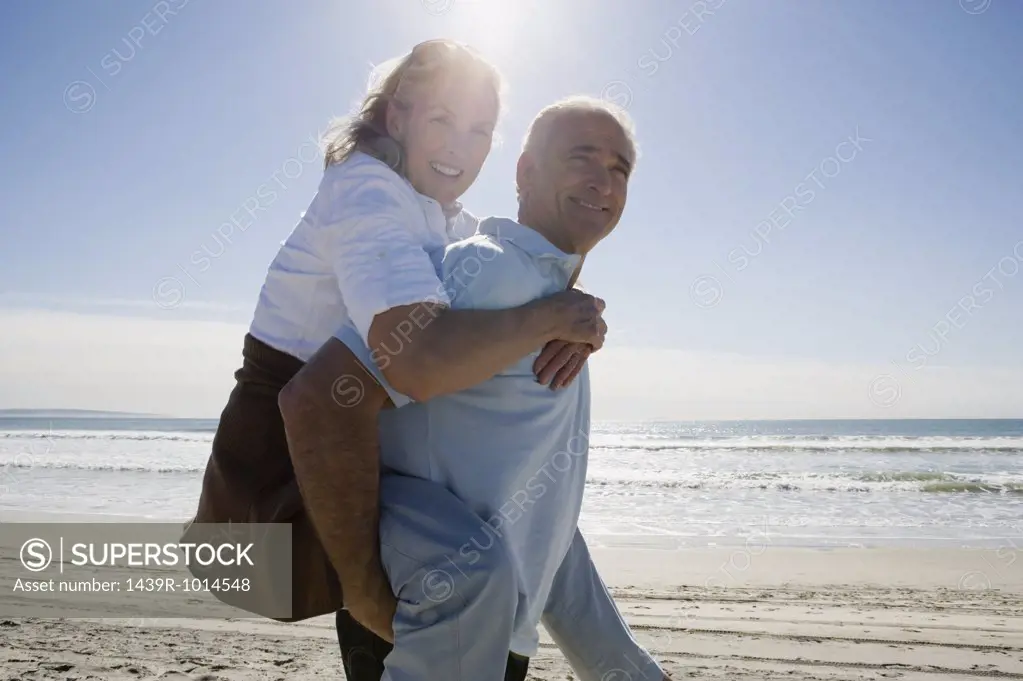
(392, 83)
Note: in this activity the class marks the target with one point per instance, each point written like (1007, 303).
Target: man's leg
(517, 668)
(585, 623)
(363, 653)
(580, 616)
(455, 586)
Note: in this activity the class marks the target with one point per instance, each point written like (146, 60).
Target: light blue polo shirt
(511, 448)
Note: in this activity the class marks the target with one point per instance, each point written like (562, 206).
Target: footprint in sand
(61, 667)
(130, 668)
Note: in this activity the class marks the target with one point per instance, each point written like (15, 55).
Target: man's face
(574, 187)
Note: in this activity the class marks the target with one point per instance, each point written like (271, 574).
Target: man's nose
(600, 181)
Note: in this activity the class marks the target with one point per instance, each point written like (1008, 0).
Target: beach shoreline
(754, 611)
(874, 550)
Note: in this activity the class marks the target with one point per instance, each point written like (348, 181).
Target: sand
(751, 612)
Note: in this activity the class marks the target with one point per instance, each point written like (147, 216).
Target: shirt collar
(529, 240)
(450, 211)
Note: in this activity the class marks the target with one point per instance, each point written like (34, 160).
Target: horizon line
(87, 413)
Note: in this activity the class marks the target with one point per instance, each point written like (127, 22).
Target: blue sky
(765, 265)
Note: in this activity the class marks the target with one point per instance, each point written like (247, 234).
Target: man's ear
(525, 170)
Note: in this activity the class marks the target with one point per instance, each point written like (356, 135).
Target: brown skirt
(250, 479)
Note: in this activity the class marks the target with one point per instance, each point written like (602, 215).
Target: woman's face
(446, 134)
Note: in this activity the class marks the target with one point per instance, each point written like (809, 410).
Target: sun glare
(496, 23)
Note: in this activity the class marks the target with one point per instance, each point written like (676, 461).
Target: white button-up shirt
(362, 247)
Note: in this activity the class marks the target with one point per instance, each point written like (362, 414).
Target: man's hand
(374, 608)
(561, 361)
(576, 317)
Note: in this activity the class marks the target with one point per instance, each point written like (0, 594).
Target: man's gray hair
(540, 128)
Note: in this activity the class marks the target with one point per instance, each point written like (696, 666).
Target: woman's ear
(395, 120)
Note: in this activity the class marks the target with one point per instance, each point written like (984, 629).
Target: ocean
(947, 483)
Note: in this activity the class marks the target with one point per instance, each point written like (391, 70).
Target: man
(482, 488)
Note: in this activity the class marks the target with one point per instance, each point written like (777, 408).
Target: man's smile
(588, 205)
